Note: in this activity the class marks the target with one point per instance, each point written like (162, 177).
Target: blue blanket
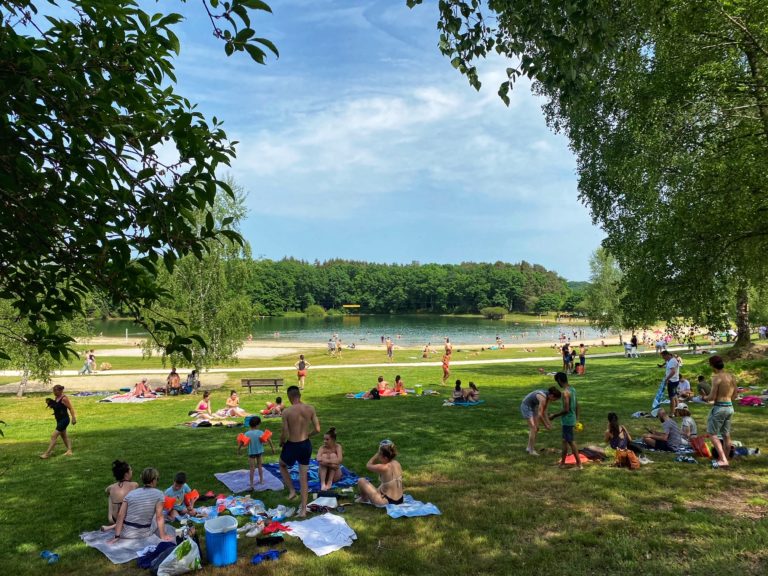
(411, 508)
(660, 398)
(348, 478)
(466, 404)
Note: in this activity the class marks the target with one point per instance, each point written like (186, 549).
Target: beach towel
(238, 481)
(464, 404)
(660, 398)
(125, 549)
(348, 478)
(323, 534)
(751, 401)
(125, 399)
(410, 508)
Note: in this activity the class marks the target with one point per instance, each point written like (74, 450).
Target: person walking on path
(569, 415)
(62, 409)
(534, 410)
(724, 392)
(300, 422)
(301, 370)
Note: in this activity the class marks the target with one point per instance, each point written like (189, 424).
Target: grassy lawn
(503, 511)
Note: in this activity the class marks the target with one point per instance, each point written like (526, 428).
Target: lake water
(406, 330)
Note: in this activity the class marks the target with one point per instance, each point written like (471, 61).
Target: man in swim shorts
(295, 444)
(724, 392)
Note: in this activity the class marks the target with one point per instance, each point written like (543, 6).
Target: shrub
(315, 310)
(494, 312)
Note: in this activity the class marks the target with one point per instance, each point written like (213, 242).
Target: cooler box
(221, 540)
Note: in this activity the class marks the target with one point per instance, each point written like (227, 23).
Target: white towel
(323, 534)
(125, 549)
(239, 481)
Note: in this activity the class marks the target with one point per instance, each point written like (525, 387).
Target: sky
(362, 142)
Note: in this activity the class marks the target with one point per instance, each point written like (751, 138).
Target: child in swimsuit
(184, 496)
(329, 458)
(399, 385)
(116, 492)
(390, 491)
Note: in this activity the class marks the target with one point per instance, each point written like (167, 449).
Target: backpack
(699, 445)
(375, 394)
(627, 459)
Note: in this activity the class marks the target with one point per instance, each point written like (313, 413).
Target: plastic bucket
(221, 540)
(418, 389)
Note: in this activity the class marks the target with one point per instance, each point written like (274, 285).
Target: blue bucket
(221, 540)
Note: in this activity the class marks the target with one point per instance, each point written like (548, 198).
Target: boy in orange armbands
(255, 441)
(180, 498)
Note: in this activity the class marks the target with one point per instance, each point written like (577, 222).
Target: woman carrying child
(390, 491)
(329, 457)
(60, 405)
(117, 491)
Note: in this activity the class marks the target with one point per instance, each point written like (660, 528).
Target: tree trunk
(23, 383)
(742, 317)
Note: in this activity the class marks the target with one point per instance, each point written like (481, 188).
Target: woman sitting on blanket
(399, 386)
(141, 513)
(329, 458)
(390, 491)
(617, 435)
(203, 409)
(233, 409)
(458, 393)
(142, 390)
(117, 491)
(471, 394)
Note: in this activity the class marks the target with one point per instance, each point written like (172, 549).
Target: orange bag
(699, 445)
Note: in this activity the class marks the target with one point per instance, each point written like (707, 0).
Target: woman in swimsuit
(301, 370)
(399, 385)
(116, 492)
(233, 406)
(390, 491)
(203, 409)
(329, 458)
(471, 394)
(60, 404)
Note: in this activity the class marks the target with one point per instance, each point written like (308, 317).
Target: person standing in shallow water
(62, 409)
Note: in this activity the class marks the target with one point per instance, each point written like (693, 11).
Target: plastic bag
(184, 558)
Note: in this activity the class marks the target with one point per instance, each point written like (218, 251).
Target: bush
(315, 310)
(494, 312)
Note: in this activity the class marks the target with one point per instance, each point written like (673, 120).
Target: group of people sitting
(382, 389)
(459, 395)
(231, 410)
(139, 511)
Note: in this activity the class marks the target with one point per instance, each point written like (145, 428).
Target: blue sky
(362, 142)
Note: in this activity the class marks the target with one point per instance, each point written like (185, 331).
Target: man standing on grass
(295, 444)
(570, 415)
(671, 378)
(724, 391)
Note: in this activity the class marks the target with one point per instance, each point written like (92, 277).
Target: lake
(406, 330)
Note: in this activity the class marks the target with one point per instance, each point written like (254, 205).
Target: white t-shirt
(690, 423)
(672, 368)
(683, 386)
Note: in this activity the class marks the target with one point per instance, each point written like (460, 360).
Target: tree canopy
(665, 104)
(105, 169)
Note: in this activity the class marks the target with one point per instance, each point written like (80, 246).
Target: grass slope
(503, 512)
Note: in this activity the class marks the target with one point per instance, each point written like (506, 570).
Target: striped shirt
(141, 512)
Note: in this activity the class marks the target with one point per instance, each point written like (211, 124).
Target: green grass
(503, 512)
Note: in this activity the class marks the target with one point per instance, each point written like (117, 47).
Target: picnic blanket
(323, 534)
(203, 423)
(126, 398)
(464, 404)
(239, 481)
(125, 549)
(348, 478)
(410, 508)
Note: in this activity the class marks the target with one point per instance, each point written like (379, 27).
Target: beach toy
(169, 502)
(221, 540)
(189, 496)
(243, 440)
(579, 427)
(266, 436)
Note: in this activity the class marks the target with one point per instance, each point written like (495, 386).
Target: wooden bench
(261, 383)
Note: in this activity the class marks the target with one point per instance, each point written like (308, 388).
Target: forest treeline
(294, 285)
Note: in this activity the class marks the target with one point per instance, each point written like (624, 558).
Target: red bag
(699, 446)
